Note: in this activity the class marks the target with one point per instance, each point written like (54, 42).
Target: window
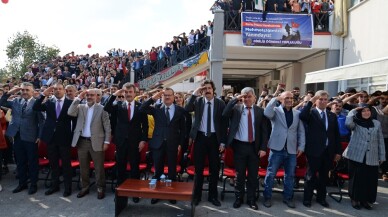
(355, 2)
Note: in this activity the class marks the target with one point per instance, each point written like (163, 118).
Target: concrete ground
(22, 204)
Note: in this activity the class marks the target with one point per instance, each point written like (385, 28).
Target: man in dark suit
(322, 145)
(247, 136)
(209, 133)
(169, 132)
(24, 130)
(57, 134)
(131, 131)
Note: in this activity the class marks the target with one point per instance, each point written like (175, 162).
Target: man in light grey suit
(286, 143)
(24, 130)
(91, 136)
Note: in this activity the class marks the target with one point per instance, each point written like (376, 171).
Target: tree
(24, 49)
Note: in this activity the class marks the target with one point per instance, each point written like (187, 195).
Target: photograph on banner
(277, 30)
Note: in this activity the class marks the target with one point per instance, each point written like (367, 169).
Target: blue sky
(128, 24)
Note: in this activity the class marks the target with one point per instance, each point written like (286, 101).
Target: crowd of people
(283, 126)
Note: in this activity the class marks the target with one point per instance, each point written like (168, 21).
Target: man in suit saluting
(24, 130)
(92, 137)
(57, 133)
(169, 132)
(322, 146)
(130, 132)
(248, 136)
(209, 133)
(286, 143)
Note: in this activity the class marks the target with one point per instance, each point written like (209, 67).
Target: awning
(372, 68)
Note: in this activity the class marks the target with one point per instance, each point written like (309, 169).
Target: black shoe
(82, 193)
(135, 199)
(356, 204)
(267, 203)
(196, 201)
(215, 202)
(323, 203)
(66, 193)
(33, 189)
(307, 203)
(153, 200)
(51, 191)
(19, 188)
(237, 203)
(366, 205)
(173, 201)
(290, 203)
(252, 204)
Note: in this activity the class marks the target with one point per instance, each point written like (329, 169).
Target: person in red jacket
(3, 143)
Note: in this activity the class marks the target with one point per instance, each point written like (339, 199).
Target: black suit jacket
(316, 132)
(197, 104)
(174, 133)
(62, 128)
(233, 112)
(135, 130)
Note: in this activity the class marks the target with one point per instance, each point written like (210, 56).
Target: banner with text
(277, 30)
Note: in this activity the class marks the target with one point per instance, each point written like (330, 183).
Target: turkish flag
(295, 25)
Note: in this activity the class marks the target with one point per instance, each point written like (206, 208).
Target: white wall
(311, 65)
(368, 32)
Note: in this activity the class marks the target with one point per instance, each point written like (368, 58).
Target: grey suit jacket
(294, 135)
(29, 124)
(365, 142)
(100, 126)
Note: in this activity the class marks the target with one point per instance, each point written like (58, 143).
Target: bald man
(286, 143)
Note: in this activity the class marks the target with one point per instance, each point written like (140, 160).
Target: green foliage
(23, 49)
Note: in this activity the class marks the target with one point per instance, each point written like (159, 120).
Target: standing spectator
(168, 135)
(209, 133)
(24, 130)
(248, 135)
(365, 152)
(286, 143)
(337, 109)
(131, 130)
(322, 146)
(3, 143)
(57, 134)
(383, 118)
(91, 120)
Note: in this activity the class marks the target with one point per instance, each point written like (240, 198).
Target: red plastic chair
(144, 162)
(228, 170)
(44, 163)
(190, 169)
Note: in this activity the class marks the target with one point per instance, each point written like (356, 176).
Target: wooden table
(140, 188)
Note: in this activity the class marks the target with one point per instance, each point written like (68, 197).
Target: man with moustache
(286, 143)
(209, 133)
(169, 132)
(24, 131)
(322, 146)
(130, 132)
(247, 136)
(57, 134)
(92, 120)
(71, 92)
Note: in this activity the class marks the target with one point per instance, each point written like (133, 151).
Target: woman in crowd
(365, 152)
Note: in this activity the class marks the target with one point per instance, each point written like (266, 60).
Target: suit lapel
(282, 116)
(318, 117)
(95, 111)
(201, 108)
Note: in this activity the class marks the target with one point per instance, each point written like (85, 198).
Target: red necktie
(250, 127)
(129, 111)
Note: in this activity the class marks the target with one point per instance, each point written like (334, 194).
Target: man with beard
(24, 131)
(209, 133)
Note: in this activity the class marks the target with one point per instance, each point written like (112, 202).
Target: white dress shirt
(60, 103)
(203, 126)
(171, 110)
(86, 132)
(326, 122)
(242, 133)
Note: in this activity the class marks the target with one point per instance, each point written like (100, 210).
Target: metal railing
(176, 57)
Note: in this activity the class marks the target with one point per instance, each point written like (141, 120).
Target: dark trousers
(1, 163)
(363, 180)
(384, 165)
(123, 151)
(27, 160)
(55, 153)
(245, 159)
(159, 155)
(320, 165)
(206, 147)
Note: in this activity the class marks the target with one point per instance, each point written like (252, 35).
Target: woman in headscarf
(365, 152)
